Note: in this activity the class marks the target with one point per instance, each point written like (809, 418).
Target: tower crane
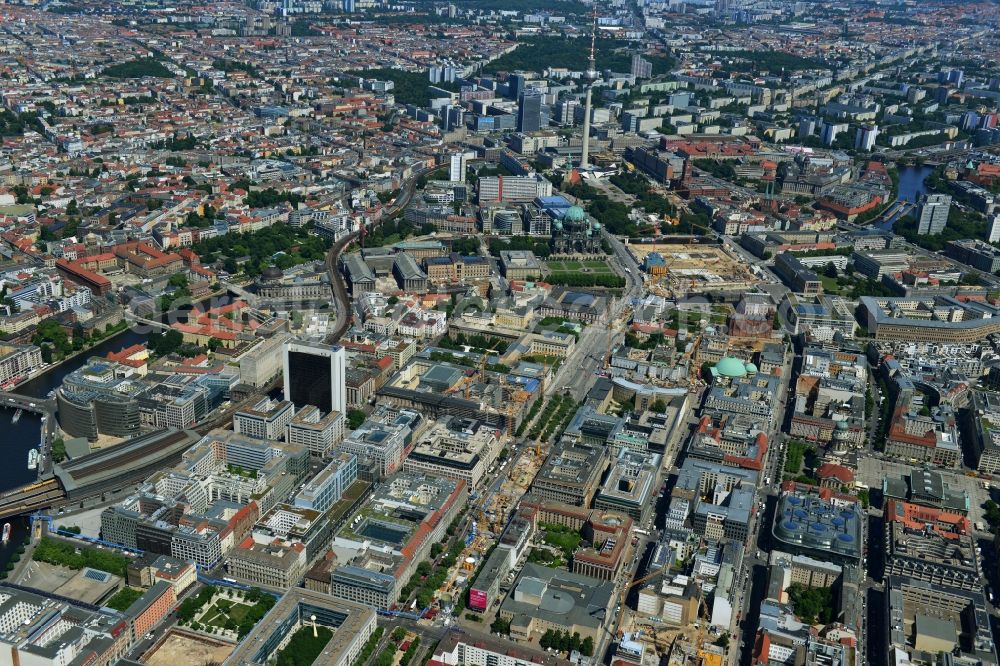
(628, 588)
(481, 367)
(664, 272)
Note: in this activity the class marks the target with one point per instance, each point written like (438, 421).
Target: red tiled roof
(917, 517)
(83, 273)
(834, 471)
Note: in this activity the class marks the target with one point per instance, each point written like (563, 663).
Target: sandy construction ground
(183, 648)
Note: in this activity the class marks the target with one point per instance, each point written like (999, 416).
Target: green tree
(164, 344)
(355, 417)
(812, 604)
(138, 68)
(408, 87)
(992, 515)
(57, 551)
(658, 407)
(425, 598)
(58, 449)
(500, 626)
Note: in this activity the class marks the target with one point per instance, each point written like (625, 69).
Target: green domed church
(575, 233)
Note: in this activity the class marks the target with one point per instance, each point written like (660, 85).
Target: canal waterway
(20, 437)
(911, 186)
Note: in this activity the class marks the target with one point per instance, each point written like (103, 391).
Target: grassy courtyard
(559, 536)
(218, 612)
(224, 610)
(303, 648)
(592, 266)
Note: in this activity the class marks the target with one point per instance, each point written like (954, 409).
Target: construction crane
(516, 404)
(462, 385)
(607, 342)
(481, 368)
(700, 641)
(698, 226)
(689, 356)
(705, 658)
(628, 588)
(654, 635)
(520, 398)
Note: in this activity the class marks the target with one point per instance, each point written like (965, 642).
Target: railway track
(44, 494)
(333, 256)
(25, 499)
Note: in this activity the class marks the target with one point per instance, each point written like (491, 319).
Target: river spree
(19, 438)
(911, 186)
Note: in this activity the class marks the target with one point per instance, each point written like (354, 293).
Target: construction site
(679, 271)
(681, 646)
(489, 519)
(466, 387)
(649, 639)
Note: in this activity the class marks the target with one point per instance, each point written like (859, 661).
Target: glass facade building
(314, 375)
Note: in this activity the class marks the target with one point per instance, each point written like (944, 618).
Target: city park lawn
(592, 266)
(222, 610)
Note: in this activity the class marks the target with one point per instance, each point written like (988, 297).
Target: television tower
(590, 76)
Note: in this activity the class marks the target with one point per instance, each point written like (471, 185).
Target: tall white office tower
(457, 167)
(315, 375)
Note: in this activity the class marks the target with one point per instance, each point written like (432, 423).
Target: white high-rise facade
(456, 167)
(315, 375)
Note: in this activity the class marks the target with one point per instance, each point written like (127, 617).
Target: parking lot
(871, 471)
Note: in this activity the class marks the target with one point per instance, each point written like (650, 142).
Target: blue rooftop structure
(554, 201)
(810, 524)
(653, 260)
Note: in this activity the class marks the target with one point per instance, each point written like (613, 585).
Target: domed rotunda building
(576, 233)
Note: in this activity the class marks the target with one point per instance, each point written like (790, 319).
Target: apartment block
(326, 488)
(318, 433)
(265, 419)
